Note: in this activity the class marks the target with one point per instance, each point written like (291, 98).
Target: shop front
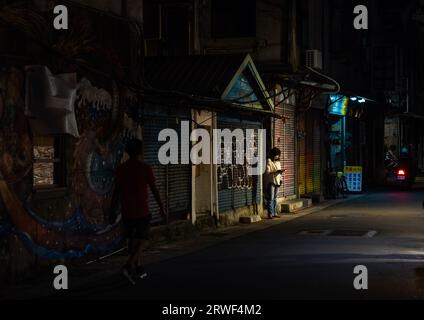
(298, 133)
(225, 94)
(347, 135)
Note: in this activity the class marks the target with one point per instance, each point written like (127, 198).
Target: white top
(271, 169)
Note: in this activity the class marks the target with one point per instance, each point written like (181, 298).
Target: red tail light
(401, 173)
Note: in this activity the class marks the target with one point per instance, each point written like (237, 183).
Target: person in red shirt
(132, 182)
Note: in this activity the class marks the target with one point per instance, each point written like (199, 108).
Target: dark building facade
(133, 68)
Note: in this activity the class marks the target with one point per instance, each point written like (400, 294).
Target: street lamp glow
(362, 100)
(353, 98)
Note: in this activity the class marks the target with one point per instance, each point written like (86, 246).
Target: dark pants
(137, 229)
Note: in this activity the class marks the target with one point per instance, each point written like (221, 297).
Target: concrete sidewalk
(97, 272)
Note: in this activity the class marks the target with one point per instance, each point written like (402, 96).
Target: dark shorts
(138, 229)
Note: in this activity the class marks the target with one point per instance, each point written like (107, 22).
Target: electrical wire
(328, 78)
(136, 88)
(146, 88)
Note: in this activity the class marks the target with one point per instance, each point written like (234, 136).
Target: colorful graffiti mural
(96, 154)
(107, 116)
(15, 142)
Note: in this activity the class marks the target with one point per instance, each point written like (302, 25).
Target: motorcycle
(401, 174)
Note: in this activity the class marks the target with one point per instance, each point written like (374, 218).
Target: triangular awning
(247, 88)
(232, 79)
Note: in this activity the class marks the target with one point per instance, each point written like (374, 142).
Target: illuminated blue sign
(338, 105)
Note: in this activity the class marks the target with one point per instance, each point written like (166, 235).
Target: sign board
(338, 105)
(353, 178)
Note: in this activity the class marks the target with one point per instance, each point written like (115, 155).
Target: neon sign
(338, 105)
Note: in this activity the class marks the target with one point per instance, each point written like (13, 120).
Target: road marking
(371, 234)
(339, 233)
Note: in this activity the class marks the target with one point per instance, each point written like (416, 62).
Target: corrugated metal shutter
(301, 153)
(179, 176)
(235, 188)
(313, 151)
(309, 152)
(173, 181)
(154, 122)
(317, 156)
(289, 163)
(279, 141)
(284, 139)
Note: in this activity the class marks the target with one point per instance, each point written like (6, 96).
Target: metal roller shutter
(153, 124)
(317, 157)
(289, 151)
(284, 139)
(280, 142)
(313, 151)
(235, 188)
(309, 152)
(301, 153)
(179, 176)
(173, 181)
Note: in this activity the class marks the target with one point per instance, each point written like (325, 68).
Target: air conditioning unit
(314, 59)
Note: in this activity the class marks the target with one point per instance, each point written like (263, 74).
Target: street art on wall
(15, 144)
(96, 154)
(106, 116)
(234, 177)
(95, 107)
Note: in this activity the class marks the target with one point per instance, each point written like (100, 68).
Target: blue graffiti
(50, 254)
(77, 223)
(101, 171)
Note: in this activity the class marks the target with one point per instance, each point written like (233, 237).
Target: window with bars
(49, 162)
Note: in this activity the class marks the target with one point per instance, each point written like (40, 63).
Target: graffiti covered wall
(67, 220)
(73, 224)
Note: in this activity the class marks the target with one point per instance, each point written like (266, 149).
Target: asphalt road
(309, 258)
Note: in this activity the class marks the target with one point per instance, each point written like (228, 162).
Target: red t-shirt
(133, 179)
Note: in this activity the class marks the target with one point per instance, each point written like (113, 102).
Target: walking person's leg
(137, 245)
(140, 269)
(143, 234)
(129, 268)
